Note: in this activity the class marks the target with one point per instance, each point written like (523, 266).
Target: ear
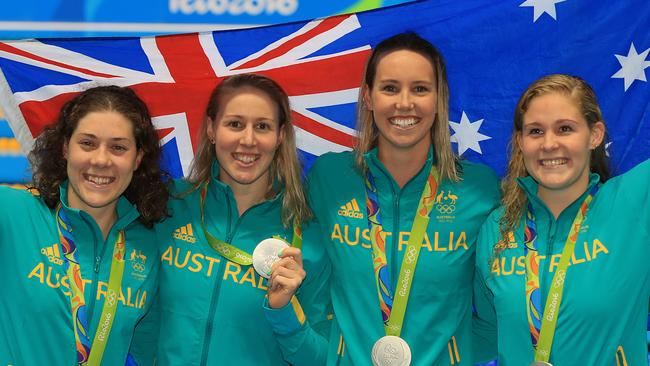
(597, 134)
(366, 97)
(138, 159)
(210, 128)
(65, 148)
(519, 140)
(281, 135)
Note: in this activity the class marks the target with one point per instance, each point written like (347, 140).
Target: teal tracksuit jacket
(212, 310)
(602, 317)
(437, 325)
(35, 311)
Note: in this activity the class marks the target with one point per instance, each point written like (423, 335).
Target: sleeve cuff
(286, 320)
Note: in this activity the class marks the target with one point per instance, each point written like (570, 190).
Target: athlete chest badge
(138, 262)
(445, 205)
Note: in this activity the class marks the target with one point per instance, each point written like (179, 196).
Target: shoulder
(18, 198)
(475, 171)
(489, 235)
(179, 186)
(637, 176)
(331, 161)
(481, 183)
(21, 207)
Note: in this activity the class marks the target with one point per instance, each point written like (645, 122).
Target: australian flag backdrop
(493, 50)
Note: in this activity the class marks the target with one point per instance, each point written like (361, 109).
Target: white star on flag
(466, 134)
(632, 66)
(542, 6)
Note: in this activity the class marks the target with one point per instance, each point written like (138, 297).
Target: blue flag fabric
(493, 50)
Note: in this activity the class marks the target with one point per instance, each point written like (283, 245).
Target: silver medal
(266, 253)
(391, 351)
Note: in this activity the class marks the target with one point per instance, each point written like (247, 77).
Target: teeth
(245, 158)
(99, 180)
(403, 122)
(553, 162)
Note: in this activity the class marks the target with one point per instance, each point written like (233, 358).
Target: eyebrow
(415, 82)
(536, 123)
(92, 136)
(226, 116)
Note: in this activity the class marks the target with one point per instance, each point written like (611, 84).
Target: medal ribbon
(79, 311)
(393, 304)
(229, 251)
(542, 328)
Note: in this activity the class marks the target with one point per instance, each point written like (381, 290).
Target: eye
(120, 148)
(389, 88)
(566, 129)
(263, 126)
(420, 89)
(534, 131)
(234, 123)
(86, 144)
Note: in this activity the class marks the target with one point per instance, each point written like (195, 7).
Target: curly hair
(147, 189)
(368, 133)
(285, 167)
(514, 200)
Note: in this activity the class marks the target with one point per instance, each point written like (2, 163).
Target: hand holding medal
(282, 265)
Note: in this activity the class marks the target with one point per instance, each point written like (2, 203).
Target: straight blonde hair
(368, 133)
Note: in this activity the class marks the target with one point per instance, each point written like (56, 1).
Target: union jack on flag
(493, 51)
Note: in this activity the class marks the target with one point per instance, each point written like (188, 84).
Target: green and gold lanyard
(229, 251)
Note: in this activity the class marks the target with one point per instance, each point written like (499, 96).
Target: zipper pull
(97, 260)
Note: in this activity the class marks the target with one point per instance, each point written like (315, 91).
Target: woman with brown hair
(81, 254)
(244, 189)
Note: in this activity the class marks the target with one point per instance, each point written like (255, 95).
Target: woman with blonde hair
(399, 216)
(216, 305)
(565, 259)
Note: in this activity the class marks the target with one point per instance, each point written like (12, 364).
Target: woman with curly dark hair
(80, 249)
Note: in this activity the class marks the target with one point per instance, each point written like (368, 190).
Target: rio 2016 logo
(233, 7)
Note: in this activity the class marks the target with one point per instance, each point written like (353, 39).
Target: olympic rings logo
(559, 281)
(445, 209)
(224, 249)
(110, 297)
(138, 267)
(410, 255)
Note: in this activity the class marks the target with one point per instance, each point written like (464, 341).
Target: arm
(484, 322)
(144, 344)
(301, 326)
(484, 319)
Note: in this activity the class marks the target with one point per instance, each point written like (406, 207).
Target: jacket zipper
(217, 287)
(95, 277)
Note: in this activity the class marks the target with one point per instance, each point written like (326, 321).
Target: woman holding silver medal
(399, 216)
(244, 189)
(565, 260)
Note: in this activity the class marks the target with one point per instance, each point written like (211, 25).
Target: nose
(248, 136)
(405, 100)
(549, 142)
(101, 157)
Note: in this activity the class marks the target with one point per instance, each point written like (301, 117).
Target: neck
(403, 164)
(104, 217)
(248, 195)
(558, 200)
